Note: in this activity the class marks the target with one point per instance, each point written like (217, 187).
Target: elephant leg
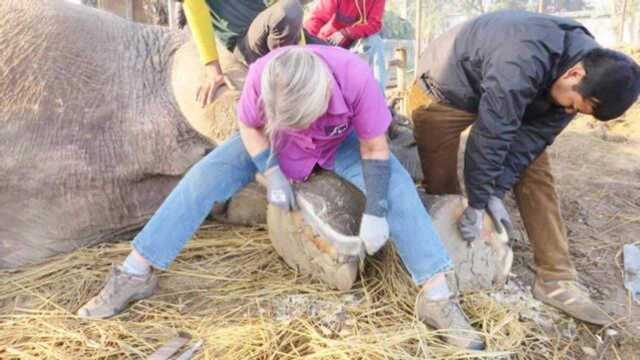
(247, 207)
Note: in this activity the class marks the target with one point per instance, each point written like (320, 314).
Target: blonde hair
(296, 88)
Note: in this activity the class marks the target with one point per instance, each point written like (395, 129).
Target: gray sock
(438, 292)
(134, 265)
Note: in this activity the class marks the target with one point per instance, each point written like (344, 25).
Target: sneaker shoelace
(111, 287)
(578, 292)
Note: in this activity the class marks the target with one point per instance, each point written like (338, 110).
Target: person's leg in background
(555, 282)
(437, 129)
(279, 25)
(213, 179)
(372, 49)
(418, 244)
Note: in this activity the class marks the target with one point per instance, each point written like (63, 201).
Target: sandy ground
(597, 170)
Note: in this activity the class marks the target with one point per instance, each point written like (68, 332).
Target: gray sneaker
(120, 289)
(572, 298)
(447, 315)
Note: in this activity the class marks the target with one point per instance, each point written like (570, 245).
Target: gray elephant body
(91, 137)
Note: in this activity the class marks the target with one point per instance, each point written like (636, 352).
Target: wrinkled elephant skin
(92, 138)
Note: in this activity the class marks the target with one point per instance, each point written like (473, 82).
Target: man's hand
(279, 190)
(336, 38)
(500, 216)
(214, 80)
(470, 223)
(374, 232)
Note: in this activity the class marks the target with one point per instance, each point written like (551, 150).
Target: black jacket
(501, 66)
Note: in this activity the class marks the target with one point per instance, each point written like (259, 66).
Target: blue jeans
(372, 48)
(229, 168)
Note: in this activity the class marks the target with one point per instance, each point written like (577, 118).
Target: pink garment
(356, 103)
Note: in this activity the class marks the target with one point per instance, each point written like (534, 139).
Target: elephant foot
(307, 252)
(247, 207)
(483, 264)
(321, 239)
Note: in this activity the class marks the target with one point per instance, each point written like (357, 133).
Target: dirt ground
(597, 170)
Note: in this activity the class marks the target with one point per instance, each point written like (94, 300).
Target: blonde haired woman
(301, 108)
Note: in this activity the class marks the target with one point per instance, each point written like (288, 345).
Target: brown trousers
(437, 131)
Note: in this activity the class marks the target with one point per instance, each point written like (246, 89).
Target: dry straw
(230, 289)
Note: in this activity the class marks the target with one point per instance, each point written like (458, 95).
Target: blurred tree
(401, 15)
(435, 14)
(396, 27)
(564, 5)
(472, 7)
(156, 11)
(620, 10)
(541, 6)
(509, 4)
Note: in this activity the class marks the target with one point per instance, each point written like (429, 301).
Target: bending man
(518, 78)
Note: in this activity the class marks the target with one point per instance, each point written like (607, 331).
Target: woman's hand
(279, 190)
(336, 38)
(214, 80)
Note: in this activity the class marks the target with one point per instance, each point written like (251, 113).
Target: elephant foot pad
(305, 250)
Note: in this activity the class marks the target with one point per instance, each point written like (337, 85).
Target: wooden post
(540, 6)
(400, 60)
(635, 31)
(128, 9)
(171, 10)
(400, 54)
(623, 15)
(418, 35)
(404, 9)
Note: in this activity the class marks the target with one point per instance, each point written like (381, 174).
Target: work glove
(470, 223)
(279, 190)
(500, 216)
(374, 228)
(374, 232)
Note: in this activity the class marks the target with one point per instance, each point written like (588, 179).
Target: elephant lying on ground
(92, 134)
(99, 122)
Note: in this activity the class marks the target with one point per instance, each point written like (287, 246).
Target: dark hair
(612, 80)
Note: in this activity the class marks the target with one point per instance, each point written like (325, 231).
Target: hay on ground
(230, 289)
